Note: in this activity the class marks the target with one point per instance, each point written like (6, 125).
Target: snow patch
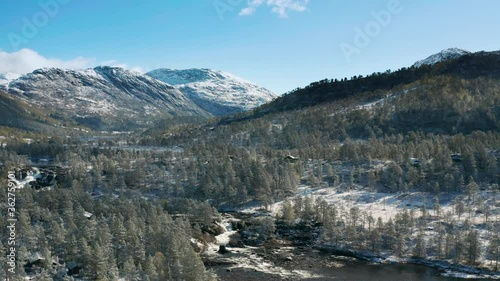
(215, 91)
(444, 55)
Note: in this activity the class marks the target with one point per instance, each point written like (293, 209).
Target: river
(344, 270)
(284, 261)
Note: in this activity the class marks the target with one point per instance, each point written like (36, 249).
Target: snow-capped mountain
(103, 95)
(447, 54)
(6, 78)
(217, 92)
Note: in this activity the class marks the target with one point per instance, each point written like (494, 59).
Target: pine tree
(435, 206)
(329, 171)
(160, 262)
(84, 252)
(420, 246)
(375, 239)
(459, 208)
(99, 263)
(473, 247)
(288, 213)
(472, 188)
(3, 260)
(150, 269)
(493, 252)
(492, 168)
(130, 270)
(57, 239)
(440, 242)
(21, 261)
(458, 247)
(119, 241)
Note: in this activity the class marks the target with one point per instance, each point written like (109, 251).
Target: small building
(292, 158)
(456, 157)
(415, 162)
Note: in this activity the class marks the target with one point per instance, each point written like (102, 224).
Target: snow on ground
(247, 258)
(384, 205)
(374, 104)
(32, 176)
(370, 105)
(387, 205)
(455, 274)
(208, 87)
(222, 239)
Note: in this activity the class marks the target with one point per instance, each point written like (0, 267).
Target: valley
(394, 175)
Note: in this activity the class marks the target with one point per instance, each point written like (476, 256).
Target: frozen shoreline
(450, 270)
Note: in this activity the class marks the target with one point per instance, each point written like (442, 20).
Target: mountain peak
(191, 75)
(215, 91)
(100, 97)
(10, 75)
(446, 54)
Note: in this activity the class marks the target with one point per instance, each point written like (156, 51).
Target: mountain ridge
(102, 96)
(446, 54)
(480, 64)
(217, 92)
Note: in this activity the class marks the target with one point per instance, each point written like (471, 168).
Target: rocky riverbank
(293, 254)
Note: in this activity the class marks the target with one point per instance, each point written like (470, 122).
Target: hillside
(217, 92)
(444, 55)
(103, 97)
(468, 66)
(20, 115)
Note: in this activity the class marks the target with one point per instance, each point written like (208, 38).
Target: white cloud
(280, 7)
(115, 63)
(26, 60)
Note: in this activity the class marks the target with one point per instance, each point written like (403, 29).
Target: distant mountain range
(217, 92)
(114, 98)
(103, 96)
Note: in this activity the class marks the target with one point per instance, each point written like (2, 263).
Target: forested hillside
(19, 115)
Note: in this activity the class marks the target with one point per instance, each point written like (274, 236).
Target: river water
(356, 271)
(399, 272)
(286, 262)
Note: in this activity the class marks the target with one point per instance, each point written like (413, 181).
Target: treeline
(408, 234)
(433, 135)
(416, 162)
(471, 66)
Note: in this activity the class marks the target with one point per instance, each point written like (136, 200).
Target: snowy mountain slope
(103, 95)
(217, 92)
(451, 53)
(6, 78)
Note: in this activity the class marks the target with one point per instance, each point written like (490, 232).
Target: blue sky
(279, 44)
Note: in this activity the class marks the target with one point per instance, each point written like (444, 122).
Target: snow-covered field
(387, 205)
